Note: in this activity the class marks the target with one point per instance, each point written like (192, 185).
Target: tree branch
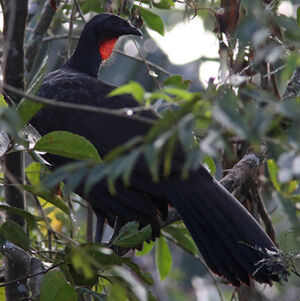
(21, 260)
(35, 42)
(263, 212)
(80, 107)
(32, 266)
(80, 11)
(15, 14)
(293, 88)
(241, 172)
(71, 21)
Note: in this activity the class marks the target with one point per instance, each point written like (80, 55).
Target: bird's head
(105, 29)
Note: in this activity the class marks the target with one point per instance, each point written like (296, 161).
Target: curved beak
(132, 30)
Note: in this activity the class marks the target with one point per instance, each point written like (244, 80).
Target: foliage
(242, 110)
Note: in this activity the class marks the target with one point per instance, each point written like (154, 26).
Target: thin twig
(72, 17)
(65, 237)
(58, 37)
(34, 43)
(263, 213)
(40, 208)
(162, 70)
(80, 11)
(89, 223)
(80, 107)
(158, 68)
(80, 203)
(31, 275)
(146, 64)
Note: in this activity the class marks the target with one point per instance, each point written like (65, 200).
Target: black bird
(228, 237)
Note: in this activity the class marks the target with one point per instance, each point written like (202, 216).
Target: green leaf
(91, 5)
(186, 127)
(173, 80)
(227, 113)
(163, 258)
(168, 121)
(33, 172)
(158, 95)
(273, 170)
(56, 288)
(2, 293)
(130, 236)
(291, 187)
(176, 81)
(68, 173)
(292, 62)
(171, 145)
(152, 20)
(147, 247)
(97, 255)
(126, 164)
(124, 148)
(146, 277)
(48, 196)
(211, 164)
(152, 158)
(14, 233)
(10, 122)
(28, 108)
(163, 4)
(182, 237)
(31, 219)
(133, 88)
(3, 103)
(182, 94)
(68, 145)
(81, 270)
(135, 290)
(298, 15)
(117, 292)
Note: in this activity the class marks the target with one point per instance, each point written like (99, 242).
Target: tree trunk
(15, 13)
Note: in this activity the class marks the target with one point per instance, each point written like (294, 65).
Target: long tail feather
(230, 240)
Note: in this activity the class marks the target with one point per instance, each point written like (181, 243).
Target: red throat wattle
(106, 48)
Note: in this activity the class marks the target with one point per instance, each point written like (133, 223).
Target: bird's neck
(86, 57)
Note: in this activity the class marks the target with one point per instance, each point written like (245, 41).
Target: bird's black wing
(106, 132)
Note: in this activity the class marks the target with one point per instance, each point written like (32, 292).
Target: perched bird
(228, 237)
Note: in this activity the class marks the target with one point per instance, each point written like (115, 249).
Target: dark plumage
(222, 229)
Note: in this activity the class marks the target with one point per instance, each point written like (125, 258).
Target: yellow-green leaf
(133, 88)
(68, 145)
(163, 258)
(152, 20)
(14, 233)
(56, 288)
